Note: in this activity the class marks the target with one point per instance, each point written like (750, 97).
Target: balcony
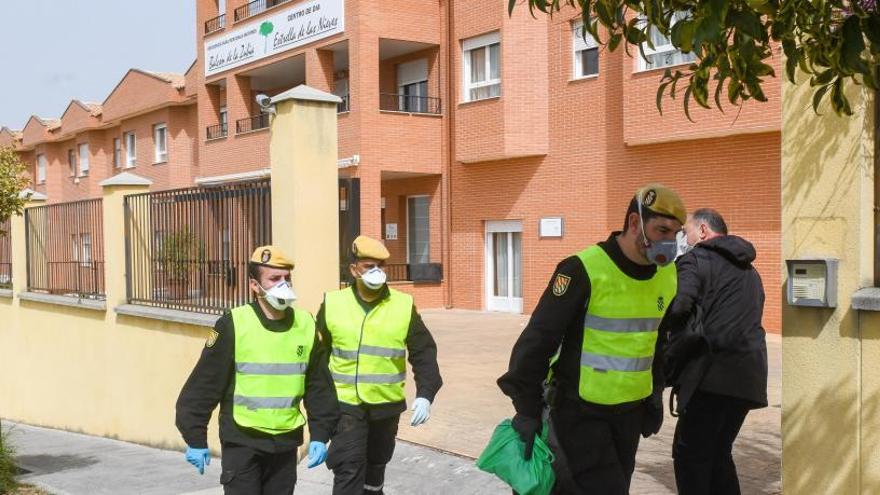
(251, 124)
(218, 131)
(215, 24)
(253, 8)
(391, 102)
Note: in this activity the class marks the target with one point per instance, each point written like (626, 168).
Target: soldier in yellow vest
(261, 360)
(600, 313)
(371, 330)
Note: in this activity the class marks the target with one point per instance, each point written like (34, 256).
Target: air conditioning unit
(426, 272)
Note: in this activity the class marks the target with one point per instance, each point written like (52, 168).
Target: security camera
(264, 100)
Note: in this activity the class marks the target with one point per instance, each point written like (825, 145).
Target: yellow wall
(831, 388)
(118, 376)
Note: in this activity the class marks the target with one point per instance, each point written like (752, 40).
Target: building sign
(390, 231)
(288, 29)
(551, 227)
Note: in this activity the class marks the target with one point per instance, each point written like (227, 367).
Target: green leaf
(687, 97)
(614, 41)
(734, 91)
(822, 78)
(817, 97)
(660, 90)
(718, 88)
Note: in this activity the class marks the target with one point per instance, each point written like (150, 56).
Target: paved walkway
(433, 459)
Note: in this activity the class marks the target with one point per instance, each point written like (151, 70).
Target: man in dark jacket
(731, 378)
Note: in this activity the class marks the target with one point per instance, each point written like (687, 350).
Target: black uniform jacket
(421, 351)
(212, 381)
(718, 275)
(559, 320)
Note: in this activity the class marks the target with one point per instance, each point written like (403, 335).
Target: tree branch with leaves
(835, 42)
(13, 180)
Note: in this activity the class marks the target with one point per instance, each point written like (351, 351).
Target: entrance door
(504, 266)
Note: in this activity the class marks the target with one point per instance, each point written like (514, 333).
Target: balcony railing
(253, 8)
(344, 105)
(215, 24)
(216, 131)
(407, 103)
(251, 124)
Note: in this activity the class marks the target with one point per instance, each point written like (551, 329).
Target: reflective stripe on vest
(270, 370)
(368, 356)
(620, 329)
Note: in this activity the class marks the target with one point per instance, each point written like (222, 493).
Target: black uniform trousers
(703, 442)
(359, 452)
(597, 446)
(248, 471)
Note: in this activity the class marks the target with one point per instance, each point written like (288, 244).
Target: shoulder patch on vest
(212, 338)
(661, 303)
(560, 284)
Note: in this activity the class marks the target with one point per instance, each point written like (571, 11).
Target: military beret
(367, 247)
(662, 201)
(271, 256)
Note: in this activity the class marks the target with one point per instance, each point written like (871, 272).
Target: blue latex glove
(198, 458)
(421, 411)
(317, 453)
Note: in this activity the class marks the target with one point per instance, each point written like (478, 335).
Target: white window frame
(580, 44)
(658, 50)
(130, 149)
(71, 161)
(477, 43)
(42, 165)
(409, 234)
(83, 159)
(160, 153)
(117, 152)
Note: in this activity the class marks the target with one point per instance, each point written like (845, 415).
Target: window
(130, 150)
(86, 242)
(160, 142)
(71, 163)
(224, 119)
(482, 67)
(418, 229)
(586, 52)
(117, 152)
(412, 84)
(41, 169)
(83, 160)
(74, 245)
(221, 7)
(664, 54)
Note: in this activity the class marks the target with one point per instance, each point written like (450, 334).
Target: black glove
(528, 428)
(652, 417)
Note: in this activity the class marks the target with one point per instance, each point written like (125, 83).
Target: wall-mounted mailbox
(812, 282)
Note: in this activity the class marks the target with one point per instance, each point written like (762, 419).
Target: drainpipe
(450, 153)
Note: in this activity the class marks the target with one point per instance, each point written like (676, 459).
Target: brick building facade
(464, 126)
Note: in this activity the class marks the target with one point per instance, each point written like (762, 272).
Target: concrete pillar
(115, 190)
(830, 356)
(305, 204)
(18, 237)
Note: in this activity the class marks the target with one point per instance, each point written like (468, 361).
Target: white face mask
(374, 278)
(280, 296)
(683, 246)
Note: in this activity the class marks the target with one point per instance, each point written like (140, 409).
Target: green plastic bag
(503, 457)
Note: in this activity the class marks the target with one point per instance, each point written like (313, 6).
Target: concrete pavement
(436, 458)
